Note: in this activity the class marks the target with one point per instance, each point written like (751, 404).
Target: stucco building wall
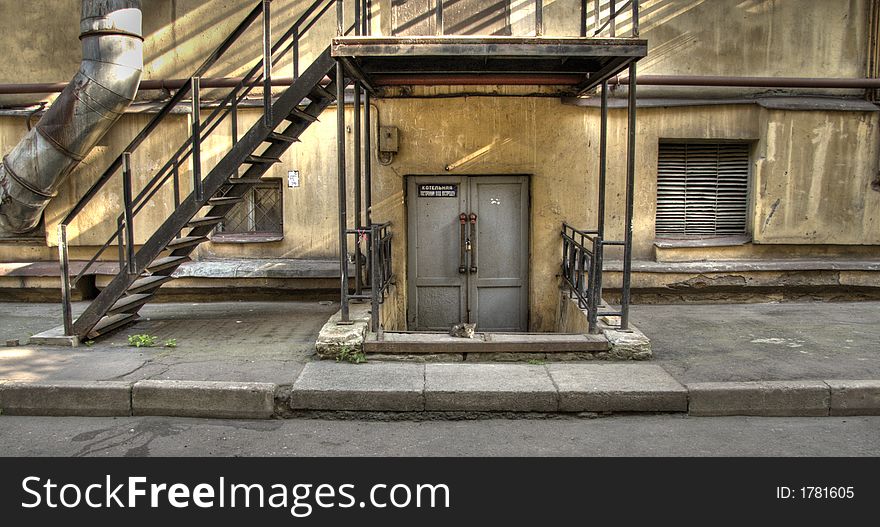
(813, 173)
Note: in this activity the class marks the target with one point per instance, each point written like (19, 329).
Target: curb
(761, 398)
(60, 398)
(573, 395)
(218, 399)
(215, 399)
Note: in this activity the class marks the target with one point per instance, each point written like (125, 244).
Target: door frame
(410, 180)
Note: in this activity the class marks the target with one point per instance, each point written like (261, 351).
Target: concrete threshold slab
(432, 343)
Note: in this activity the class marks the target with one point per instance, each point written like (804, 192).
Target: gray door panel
(499, 288)
(493, 292)
(437, 290)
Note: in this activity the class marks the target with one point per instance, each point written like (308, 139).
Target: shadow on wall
(181, 33)
(517, 17)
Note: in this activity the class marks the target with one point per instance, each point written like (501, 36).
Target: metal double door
(468, 252)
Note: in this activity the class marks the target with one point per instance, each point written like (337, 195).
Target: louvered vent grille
(702, 189)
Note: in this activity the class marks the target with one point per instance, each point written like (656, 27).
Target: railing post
(375, 280)
(129, 217)
(593, 311)
(357, 17)
(630, 184)
(613, 21)
(234, 117)
(539, 18)
(600, 262)
(387, 266)
(368, 176)
(340, 18)
(584, 18)
(175, 183)
(635, 18)
(358, 262)
(603, 160)
(572, 267)
(438, 16)
(267, 64)
(120, 243)
(63, 259)
(340, 173)
(367, 6)
(295, 53)
(196, 138)
(597, 9)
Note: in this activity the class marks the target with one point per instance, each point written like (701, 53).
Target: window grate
(259, 213)
(702, 189)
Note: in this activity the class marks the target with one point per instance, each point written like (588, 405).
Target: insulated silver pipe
(104, 86)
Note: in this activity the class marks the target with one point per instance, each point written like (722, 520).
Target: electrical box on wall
(388, 140)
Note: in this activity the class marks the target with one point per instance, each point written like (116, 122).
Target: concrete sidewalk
(256, 360)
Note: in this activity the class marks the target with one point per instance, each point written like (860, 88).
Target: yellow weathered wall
(812, 178)
(178, 36)
(818, 165)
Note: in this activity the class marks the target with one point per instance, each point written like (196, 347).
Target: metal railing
(583, 254)
(608, 23)
(377, 238)
(598, 17)
(582, 269)
(226, 110)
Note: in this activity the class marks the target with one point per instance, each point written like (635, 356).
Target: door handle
(462, 266)
(473, 247)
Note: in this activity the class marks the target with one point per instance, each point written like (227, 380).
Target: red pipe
(510, 79)
(750, 82)
(162, 84)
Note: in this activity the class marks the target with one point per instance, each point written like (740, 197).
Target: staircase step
(275, 137)
(205, 221)
(223, 201)
(253, 159)
(169, 262)
(244, 181)
(186, 241)
(299, 114)
(108, 324)
(148, 284)
(323, 93)
(130, 303)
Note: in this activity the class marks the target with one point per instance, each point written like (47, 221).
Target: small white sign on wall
(293, 178)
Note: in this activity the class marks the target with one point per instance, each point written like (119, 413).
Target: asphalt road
(661, 435)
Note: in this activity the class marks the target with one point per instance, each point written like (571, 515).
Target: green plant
(536, 362)
(142, 341)
(170, 343)
(346, 354)
(89, 343)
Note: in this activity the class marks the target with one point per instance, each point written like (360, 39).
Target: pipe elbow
(107, 82)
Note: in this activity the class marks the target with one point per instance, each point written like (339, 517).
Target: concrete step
(430, 343)
(487, 387)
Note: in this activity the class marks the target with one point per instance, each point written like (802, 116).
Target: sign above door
(438, 191)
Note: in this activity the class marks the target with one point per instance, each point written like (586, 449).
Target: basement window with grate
(702, 190)
(256, 219)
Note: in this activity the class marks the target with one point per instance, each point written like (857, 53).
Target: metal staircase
(154, 263)
(145, 269)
